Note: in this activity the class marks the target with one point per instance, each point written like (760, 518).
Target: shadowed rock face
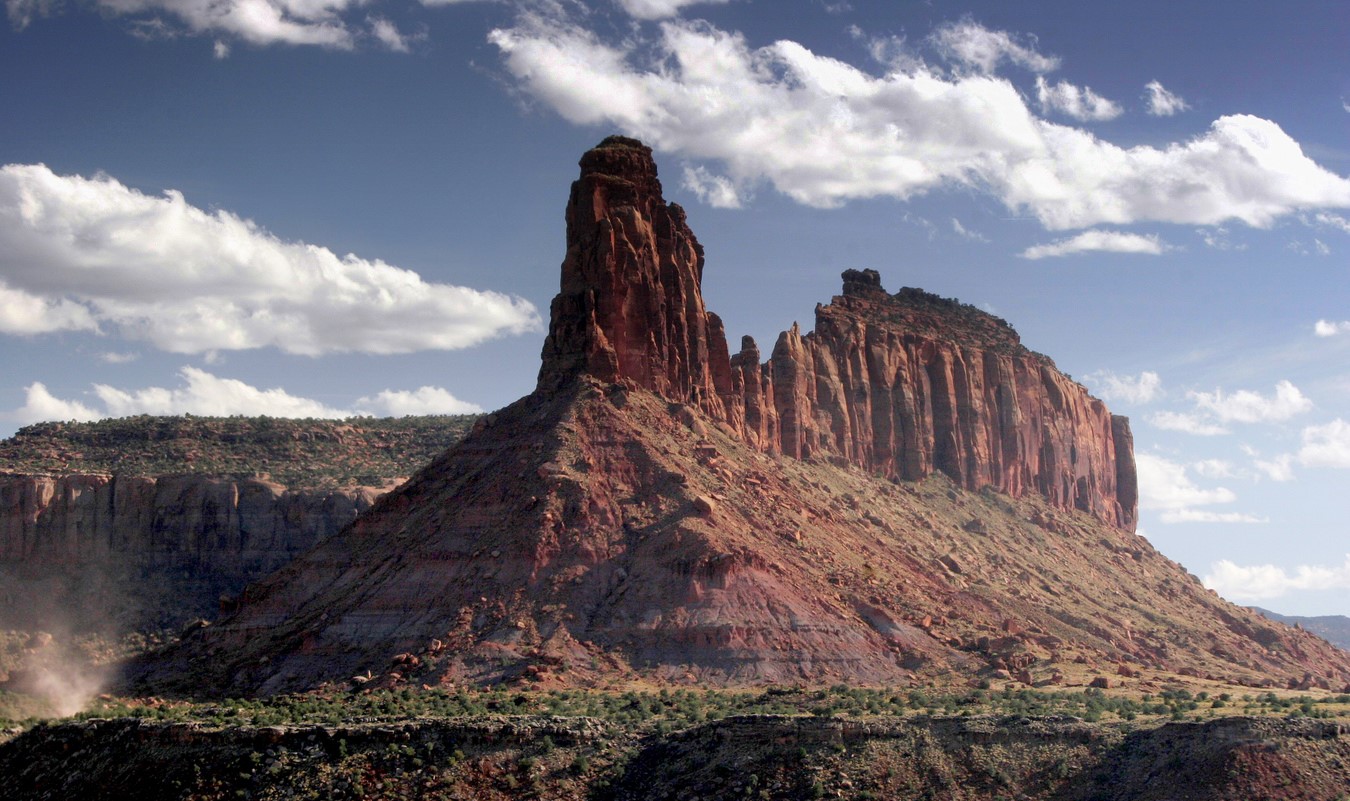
(902, 385)
(104, 552)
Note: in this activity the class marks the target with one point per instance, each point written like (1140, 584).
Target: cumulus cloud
(1162, 103)
(1323, 328)
(1214, 410)
(660, 9)
(1165, 485)
(825, 132)
(24, 313)
(426, 400)
(1262, 582)
(333, 24)
(1280, 468)
(92, 254)
(1142, 388)
(41, 405)
(1326, 445)
(203, 393)
(1186, 423)
(1207, 516)
(976, 47)
(1246, 406)
(1213, 468)
(1080, 103)
(1099, 241)
(261, 22)
(717, 191)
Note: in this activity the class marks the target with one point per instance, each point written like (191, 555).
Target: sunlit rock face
(902, 385)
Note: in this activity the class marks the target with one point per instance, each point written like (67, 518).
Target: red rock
(607, 570)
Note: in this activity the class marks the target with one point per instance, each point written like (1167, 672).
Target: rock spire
(902, 385)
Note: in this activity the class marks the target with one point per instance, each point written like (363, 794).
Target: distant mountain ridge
(299, 453)
(1335, 629)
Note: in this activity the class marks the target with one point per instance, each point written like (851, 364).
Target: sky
(337, 207)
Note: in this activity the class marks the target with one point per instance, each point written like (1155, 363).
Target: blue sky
(323, 207)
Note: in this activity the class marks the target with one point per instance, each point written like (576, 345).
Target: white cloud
(660, 9)
(1187, 423)
(260, 22)
(974, 46)
(966, 233)
(81, 253)
(423, 401)
(22, 313)
(1213, 468)
(717, 191)
(1164, 485)
(324, 23)
(387, 34)
(203, 393)
(1217, 238)
(22, 12)
(1281, 468)
(1326, 445)
(113, 357)
(824, 132)
(1206, 516)
(40, 405)
(1332, 221)
(1142, 388)
(1245, 406)
(1262, 582)
(1323, 328)
(1099, 241)
(1162, 103)
(1080, 103)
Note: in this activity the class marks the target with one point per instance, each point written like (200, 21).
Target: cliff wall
(89, 551)
(902, 385)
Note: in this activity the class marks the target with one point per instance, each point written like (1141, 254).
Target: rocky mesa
(900, 385)
(903, 495)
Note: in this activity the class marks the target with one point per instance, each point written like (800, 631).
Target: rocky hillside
(765, 757)
(904, 495)
(299, 454)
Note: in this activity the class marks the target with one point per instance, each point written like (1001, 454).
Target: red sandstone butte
(901, 385)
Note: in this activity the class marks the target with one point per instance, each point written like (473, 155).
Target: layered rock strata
(113, 552)
(901, 385)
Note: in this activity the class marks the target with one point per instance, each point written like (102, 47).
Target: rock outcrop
(903, 495)
(116, 553)
(901, 385)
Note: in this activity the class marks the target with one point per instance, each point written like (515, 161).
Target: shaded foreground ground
(789, 744)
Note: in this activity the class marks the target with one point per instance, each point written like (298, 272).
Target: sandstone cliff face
(149, 550)
(901, 385)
